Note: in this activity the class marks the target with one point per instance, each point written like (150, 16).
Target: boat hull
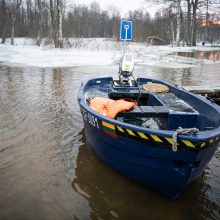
(156, 166)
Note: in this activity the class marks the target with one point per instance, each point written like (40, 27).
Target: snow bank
(95, 51)
(28, 54)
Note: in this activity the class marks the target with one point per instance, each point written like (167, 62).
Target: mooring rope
(180, 130)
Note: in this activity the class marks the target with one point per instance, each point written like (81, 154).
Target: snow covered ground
(97, 51)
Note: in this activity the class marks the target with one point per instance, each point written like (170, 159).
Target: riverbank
(97, 51)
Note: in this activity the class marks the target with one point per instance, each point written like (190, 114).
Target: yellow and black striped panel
(142, 137)
(162, 141)
(207, 143)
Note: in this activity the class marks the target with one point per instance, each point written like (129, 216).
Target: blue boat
(164, 143)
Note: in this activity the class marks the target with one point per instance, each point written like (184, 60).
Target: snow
(31, 55)
(96, 51)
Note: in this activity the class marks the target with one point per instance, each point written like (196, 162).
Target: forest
(179, 22)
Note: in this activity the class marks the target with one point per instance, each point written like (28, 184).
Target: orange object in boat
(109, 107)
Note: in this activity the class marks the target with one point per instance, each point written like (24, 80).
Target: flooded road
(47, 170)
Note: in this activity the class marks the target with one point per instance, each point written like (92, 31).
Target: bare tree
(56, 22)
(178, 26)
(59, 22)
(174, 8)
(14, 6)
(3, 21)
(193, 22)
(39, 36)
(52, 22)
(194, 4)
(192, 19)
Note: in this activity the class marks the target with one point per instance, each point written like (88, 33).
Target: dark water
(47, 171)
(210, 55)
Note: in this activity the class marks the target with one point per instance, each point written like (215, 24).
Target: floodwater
(210, 55)
(48, 171)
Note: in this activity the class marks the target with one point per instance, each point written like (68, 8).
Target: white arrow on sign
(126, 27)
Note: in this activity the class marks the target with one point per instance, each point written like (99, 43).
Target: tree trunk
(59, 22)
(172, 33)
(39, 35)
(194, 25)
(188, 40)
(12, 30)
(14, 10)
(54, 35)
(3, 22)
(178, 27)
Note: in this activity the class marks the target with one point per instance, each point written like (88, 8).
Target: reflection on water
(39, 145)
(210, 55)
(47, 170)
(112, 195)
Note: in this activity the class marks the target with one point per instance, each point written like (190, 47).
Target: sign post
(126, 32)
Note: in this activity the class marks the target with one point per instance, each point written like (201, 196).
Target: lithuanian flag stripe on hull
(109, 129)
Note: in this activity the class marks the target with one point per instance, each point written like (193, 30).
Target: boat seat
(126, 94)
(146, 111)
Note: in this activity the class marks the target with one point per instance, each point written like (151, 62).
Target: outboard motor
(126, 67)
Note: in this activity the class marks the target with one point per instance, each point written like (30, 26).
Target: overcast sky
(123, 5)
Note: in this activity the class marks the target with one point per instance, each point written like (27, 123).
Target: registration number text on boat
(91, 119)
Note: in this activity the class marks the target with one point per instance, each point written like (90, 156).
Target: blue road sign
(126, 30)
